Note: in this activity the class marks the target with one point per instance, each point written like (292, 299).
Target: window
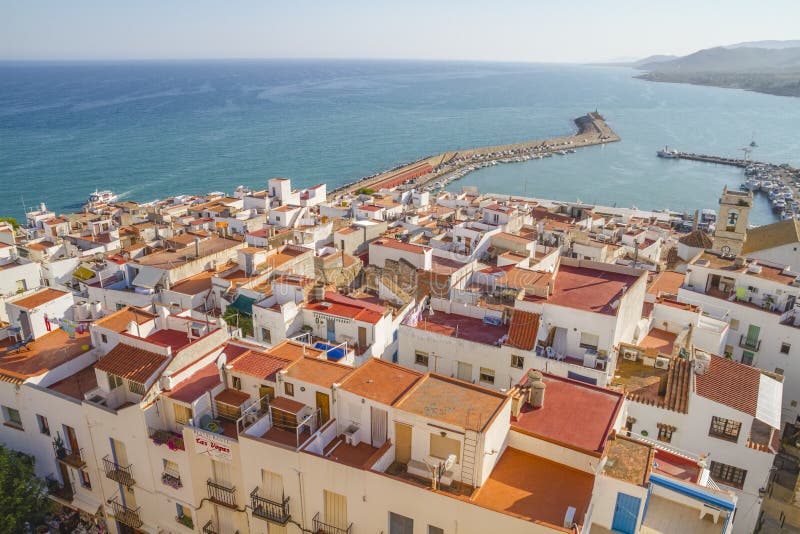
(665, 432)
(727, 474)
(184, 515)
(487, 375)
(747, 357)
(421, 358)
(182, 413)
(44, 426)
(724, 428)
(793, 404)
(266, 335)
(135, 387)
(21, 286)
(589, 341)
(734, 324)
(400, 524)
(288, 389)
(441, 447)
(114, 381)
(517, 361)
(103, 338)
(785, 347)
(12, 417)
(84, 477)
(237, 383)
(435, 530)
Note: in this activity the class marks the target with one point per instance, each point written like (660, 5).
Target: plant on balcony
(171, 481)
(58, 445)
(186, 521)
(172, 440)
(176, 444)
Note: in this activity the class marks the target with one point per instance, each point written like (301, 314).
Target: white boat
(667, 153)
(101, 197)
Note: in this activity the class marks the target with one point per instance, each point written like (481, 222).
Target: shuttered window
(442, 447)
(335, 509)
(182, 413)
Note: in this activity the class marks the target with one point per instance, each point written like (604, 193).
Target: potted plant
(60, 448)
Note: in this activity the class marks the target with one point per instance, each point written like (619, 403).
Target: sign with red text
(216, 446)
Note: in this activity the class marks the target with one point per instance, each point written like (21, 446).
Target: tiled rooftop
(131, 363)
(77, 384)
(535, 489)
(524, 329)
(574, 413)
(730, 383)
(452, 401)
(37, 299)
(319, 372)
(259, 365)
(665, 388)
(119, 320)
(380, 381)
(197, 384)
(47, 352)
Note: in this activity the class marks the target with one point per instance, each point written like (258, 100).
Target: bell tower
(731, 230)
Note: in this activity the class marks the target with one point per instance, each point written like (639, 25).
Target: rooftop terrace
(588, 289)
(46, 353)
(462, 327)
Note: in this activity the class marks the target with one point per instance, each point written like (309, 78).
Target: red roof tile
(232, 397)
(131, 363)
(730, 383)
(260, 365)
(37, 299)
(523, 330)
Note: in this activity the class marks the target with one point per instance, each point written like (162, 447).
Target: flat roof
(589, 289)
(194, 284)
(37, 299)
(380, 381)
(77, 384)
(462, 327)
(166, 259)
(667, 282)
(712, 260)
(659, 340)
(119, 320)
(452, 401)
(535, 489)
(45, 353)
(293, 350)
(574, 413)
(629, 460)
(400, 245)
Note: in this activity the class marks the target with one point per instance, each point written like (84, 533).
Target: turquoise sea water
(153, 129)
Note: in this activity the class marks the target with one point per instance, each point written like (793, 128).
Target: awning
(82, 273)
(695, 492)
(243, 304)
(148, 278)
(768, 409)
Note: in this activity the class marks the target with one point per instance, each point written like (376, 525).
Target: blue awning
(694, 492)
(243, 305)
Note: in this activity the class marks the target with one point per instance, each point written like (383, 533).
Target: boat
(667, 153)
(101, 197)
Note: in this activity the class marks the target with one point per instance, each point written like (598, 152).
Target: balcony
(126, 516)
(73, 458)
(324, 528)
(59, 490)
(749, 344)
(172, 440)
(185, 520)
(118, 473)
(222, 494)
(209, 528)
(277, 512)
(171, 478)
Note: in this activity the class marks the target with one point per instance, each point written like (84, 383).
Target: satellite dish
(450, 462)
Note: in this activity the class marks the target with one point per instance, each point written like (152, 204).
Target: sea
(149, 130)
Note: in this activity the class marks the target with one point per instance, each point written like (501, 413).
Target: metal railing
(72, 457)
(320, 526)
(118, 473)
(55, 488)
(126, 516)
(749, 344)
(171, 478)
(270, 510)
(252, 413)
(209, 528)
(221, 494)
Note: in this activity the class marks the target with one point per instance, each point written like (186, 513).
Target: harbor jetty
(437, 169)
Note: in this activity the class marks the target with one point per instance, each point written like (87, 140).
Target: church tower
(731, 230)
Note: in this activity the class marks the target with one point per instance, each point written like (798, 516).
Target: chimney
(197, 247)
(696, 220)
(516, 404)
(537, 389)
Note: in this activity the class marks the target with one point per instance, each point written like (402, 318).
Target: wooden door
(402, 449)
(362, 337)
(72, 439)
(464, 371)
(266, 394)
(335, 509)
(324, 407)
(378, 422)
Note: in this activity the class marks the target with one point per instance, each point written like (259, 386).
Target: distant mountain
(652, 60)
(774, 45)
(761, 66)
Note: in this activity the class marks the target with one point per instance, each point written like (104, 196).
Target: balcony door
(464, 371)
(330, 330)
(402, 437)
(752, 335)
(271, 486)
(226, 522)
(379, 420)
(72, 439)
(335, 510)
(324, 407)
(119, 453)
(222, 473)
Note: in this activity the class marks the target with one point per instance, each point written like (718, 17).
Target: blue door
(625, 513)
(330, 330)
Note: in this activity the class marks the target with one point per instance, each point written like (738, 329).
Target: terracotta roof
(589, 289)
(400, 245)
(574, 413)
(337, 305)
(523, 330)
(772, 235)
(380, 381)
(667, 282)
(260, 365)
(319, 372)
(519, 278)
(730, 383)
(232, 397)
(293, 351)
(119, 320)
(453, 401)
(697, 239)
(37, 299)
(286, 404)
(131, 363)
(197, 384)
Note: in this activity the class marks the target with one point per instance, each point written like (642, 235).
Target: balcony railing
(171, 478)
(172, 440)
(749, 344)
(209, 528)
(59, 490)
(221, 494)
(118, 473)
(73, 458)
(275, 511)
(126, 516)
(320, 526)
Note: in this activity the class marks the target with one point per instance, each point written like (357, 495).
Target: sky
(496, 30)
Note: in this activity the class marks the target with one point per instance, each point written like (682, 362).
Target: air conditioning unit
(662, 363)
(630, 355)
